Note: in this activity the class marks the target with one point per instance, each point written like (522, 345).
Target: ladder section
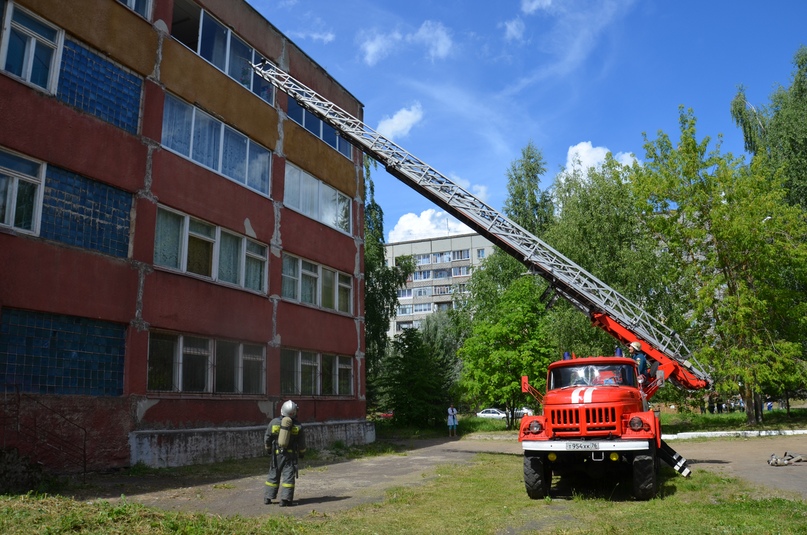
(582, 289)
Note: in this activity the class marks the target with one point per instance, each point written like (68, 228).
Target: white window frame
(37, 40)
(14, 177)
(178, 363)
(461, 254)
(313, 359)
(198, 115)
(306, 271)
(187, 233)
(132, 4)
(299, 194)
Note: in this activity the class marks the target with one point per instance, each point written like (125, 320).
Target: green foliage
(600, 228)
(381, 283)
(510, 342)
(526, 204)
(741, 252)
(412, 381)
(779, 131)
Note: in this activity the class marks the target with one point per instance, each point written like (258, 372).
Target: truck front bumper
(585, 445)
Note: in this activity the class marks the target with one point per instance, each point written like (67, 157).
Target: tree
(412, 381)
(779, 131)
(381, 283)
(601, 229)
(526, 204)
(741, 250)
(512, 342)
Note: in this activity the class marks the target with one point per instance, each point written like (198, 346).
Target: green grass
(483, 497)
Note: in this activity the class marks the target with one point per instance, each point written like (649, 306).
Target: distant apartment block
(442, 269)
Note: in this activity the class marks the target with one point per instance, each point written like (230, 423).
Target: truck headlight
(636, 423)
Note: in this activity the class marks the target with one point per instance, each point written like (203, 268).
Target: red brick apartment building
(181, 246)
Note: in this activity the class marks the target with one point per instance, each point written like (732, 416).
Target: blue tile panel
(85, 213)
(99, 87)
(55, 354)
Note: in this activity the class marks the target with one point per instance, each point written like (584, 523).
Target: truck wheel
(537, 477)
(645, 476)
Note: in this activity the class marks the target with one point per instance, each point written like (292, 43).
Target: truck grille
(578, 420)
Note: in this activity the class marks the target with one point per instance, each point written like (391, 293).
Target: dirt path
(336, 487)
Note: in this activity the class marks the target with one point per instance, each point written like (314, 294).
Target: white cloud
(401, 122)
(531, 6)
(377, 46)
(429, 224)
(435, 37)
(584, 156)
(477, 190)
(514, 30)
(326, 37)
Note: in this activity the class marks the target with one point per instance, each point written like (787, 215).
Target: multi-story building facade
(181, 247)
(442, 268)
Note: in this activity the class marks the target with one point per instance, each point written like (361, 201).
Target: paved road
(340, 486)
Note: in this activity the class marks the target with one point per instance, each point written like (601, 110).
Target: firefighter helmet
(289, 408)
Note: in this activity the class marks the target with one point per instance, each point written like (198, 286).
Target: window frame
(183, 246)
(182, 353)
(299, 366)
(12, 192)
(29, 55)
(200, 17)
(174, 143)
(298, 271)
(132, 4)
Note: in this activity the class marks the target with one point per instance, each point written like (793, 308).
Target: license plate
(584, 446)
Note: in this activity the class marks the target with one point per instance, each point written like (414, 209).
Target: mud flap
(671, 457)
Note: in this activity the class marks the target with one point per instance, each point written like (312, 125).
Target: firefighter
(285, 441)
(636, 353)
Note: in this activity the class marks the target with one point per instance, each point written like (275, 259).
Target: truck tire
(645, 476)
(537, 477)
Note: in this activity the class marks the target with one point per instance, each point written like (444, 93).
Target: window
(441, 273)
(422, 308)
(207, 141)
(463, 254)
(316, 199)
(218, 45)
(422, 275)
(30, 48)
(316, 285)
(184, 363)
(141, 7)
(313, 374)
(20, 191)
(439, 258)
(425, 291)
(442, 290)
(319, 128)
(460, 271)
(193, 246)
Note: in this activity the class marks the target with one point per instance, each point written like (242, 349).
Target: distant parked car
(492, 413)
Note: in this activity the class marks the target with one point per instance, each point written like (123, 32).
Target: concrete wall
(164, 448)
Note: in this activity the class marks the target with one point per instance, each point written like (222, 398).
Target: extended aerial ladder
(607, 308)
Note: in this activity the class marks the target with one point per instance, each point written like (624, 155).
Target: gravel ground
(339, 486)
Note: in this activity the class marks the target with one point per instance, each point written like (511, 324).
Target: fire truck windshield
(592, 375)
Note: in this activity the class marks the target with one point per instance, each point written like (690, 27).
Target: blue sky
(465, 85)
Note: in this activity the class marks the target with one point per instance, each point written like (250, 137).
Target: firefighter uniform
(283, 468)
